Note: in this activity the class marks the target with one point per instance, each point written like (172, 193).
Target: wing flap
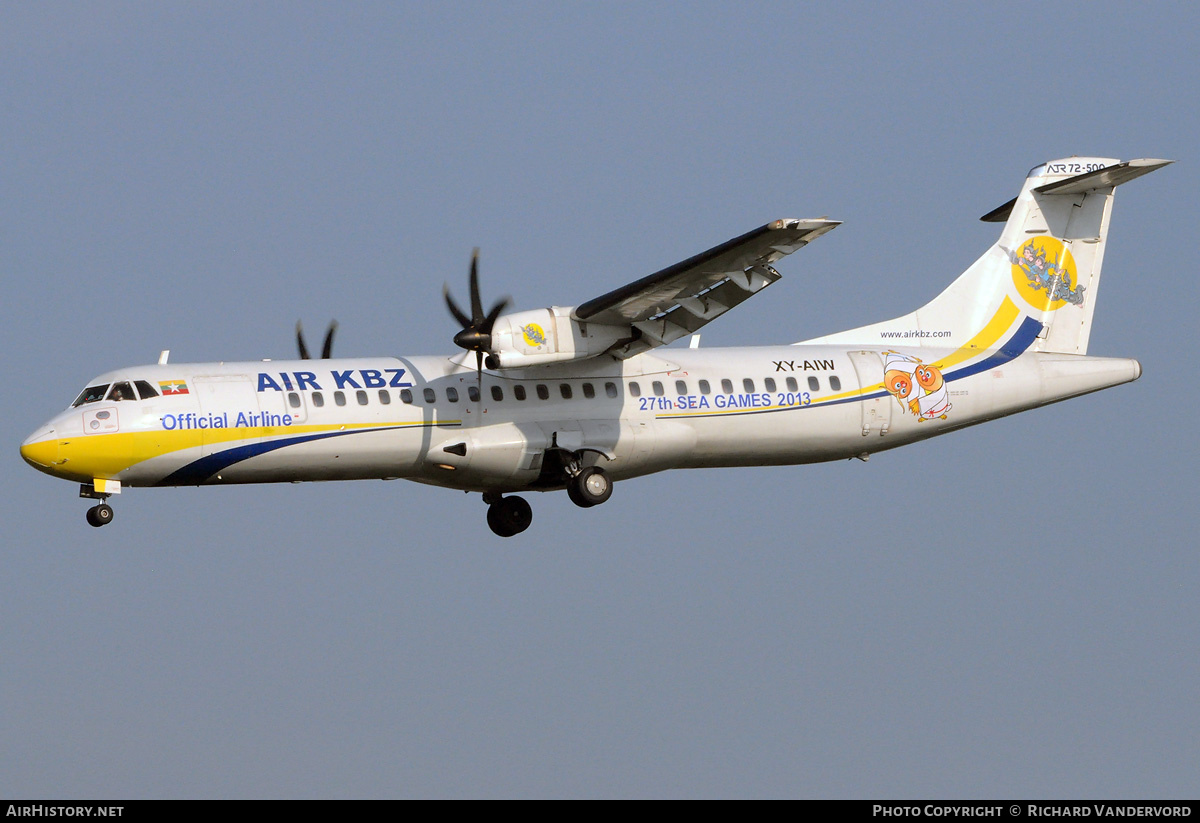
(681, 298)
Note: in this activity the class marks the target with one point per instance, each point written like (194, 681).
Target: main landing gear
(590, 487)
(508, 516)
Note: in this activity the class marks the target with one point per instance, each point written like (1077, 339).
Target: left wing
(680, 299)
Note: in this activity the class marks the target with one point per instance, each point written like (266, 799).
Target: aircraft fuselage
(420, 418)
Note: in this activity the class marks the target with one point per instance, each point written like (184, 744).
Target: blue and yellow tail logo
(1043, 271)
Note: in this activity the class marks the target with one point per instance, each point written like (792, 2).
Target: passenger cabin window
(727, 386)
(339, 397)
(429, 396)
(565, 388)
(610, 389)
(635, 390)
(835, 383)
(769, 383)
(361, 396)
(145, 389)
(293, 400)
(473, 394)
(814, 384)
(384, 397)
(658, 388)
(748, 384)
(122, 391)
(452, 394)
(406, 396)
(543, 393)
(519, 391)
(680, 387)
(90, 395)
(318, 399)
(589, 391)
(791, 384)
(704, 387)
(497, 393)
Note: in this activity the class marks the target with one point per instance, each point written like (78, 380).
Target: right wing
(681, 298)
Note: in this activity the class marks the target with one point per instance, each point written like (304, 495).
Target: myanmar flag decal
(169, 387)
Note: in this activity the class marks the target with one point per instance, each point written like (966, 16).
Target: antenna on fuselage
(162, 357)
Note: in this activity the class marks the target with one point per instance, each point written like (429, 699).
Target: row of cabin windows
(125, 391)
(519, 392)
(565, 390)
(748, 385)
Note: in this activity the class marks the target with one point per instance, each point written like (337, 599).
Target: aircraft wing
(681, 298)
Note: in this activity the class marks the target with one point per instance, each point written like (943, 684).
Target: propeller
(326, 350)
(476, 334)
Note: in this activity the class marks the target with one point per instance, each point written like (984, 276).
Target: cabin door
(227, 405)
(876, 403)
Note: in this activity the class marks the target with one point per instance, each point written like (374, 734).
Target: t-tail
(1036, 288)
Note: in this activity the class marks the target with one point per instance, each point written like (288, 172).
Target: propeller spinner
(476, 334)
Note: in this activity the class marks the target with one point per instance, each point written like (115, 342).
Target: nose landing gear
(100, 515)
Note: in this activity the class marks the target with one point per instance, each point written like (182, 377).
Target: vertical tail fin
(1038, 282)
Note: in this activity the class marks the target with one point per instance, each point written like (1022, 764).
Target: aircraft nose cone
(40, 449)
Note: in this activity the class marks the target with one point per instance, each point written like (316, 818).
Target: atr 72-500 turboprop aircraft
(580, 397)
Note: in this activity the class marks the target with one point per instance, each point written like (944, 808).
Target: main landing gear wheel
(100, 515)
(591, 487)
(509, 516)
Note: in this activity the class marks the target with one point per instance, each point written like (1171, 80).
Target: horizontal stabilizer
(1103, 178)
(1108, 177)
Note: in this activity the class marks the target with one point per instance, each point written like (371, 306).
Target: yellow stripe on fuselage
(1002, 321)
(92, 456)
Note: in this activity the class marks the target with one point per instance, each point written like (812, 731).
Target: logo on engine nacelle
(534, 335)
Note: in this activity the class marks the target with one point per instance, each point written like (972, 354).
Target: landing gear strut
(508, 516)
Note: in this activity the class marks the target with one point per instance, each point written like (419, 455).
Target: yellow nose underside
(43, 454)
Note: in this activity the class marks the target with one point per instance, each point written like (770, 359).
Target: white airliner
(577, 398)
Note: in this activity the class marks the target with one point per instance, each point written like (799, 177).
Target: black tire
(100, 515)
(590, 487)
(576, 496)
(509, 516)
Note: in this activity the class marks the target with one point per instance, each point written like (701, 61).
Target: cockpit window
(91, 394)
(145, 389)
(122, 391)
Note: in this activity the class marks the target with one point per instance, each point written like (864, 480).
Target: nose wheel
(508, 516)
(100, 515)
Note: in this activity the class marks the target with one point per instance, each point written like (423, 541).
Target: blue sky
(1006, 611)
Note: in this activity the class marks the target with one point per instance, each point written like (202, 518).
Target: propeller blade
(476, 332)
(476, 301)
(496, 311)
(462, 319)
(300, 342)
(327, 349)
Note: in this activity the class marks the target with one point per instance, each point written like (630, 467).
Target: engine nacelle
(533, 338)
